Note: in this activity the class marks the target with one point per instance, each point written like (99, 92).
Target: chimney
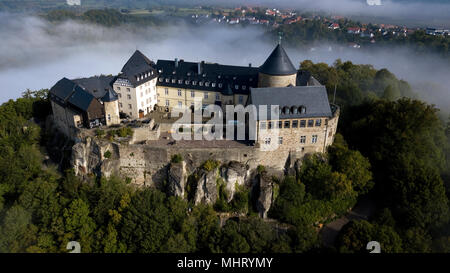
(200, 67)
(176, 62)
(250, 65)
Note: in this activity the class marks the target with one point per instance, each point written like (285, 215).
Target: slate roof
(224, 77)
(138, 65)
(304, 78)
(278, 63)
(67, 92)
(109, 96)
(96, 85)
(313, 98)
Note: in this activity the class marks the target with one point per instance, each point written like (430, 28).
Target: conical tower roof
(278, 63)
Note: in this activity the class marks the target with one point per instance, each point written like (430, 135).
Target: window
(213, 84)
(142, 94)
(180, 81)
(109, 117)
(129, 97)
(262, 125)
(302, 109)
(287, 124)
(205, 95)
(120, 95)
(194, 82)
(236, 86)
(295, 124)
(310, 123)
(118, 87)
(131, 113)
(280, 140)
(120, 104)
(318, 122)
(192, 94)
(314, 139)
(267, 141)
(220, 85)
(179, 93)
(280, 124)
(206, 83)
(302, 123)
(180, 104)
(200, 83)
(303, 139)
(241, 99)
(128, 89)
(129, 106)
(217, 97)
(270, 125)
(166, 91)
(167, 103)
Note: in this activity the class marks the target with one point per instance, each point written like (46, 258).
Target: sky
(35, 54)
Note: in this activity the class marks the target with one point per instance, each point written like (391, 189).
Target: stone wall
(265, 80)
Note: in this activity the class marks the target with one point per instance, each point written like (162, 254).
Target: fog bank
(35, 54)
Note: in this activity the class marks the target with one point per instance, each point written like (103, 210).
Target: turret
(277, 70)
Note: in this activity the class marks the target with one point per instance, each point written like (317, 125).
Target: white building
(136, 86)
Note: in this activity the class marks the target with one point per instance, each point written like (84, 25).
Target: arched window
(286, 110)
(294, 109)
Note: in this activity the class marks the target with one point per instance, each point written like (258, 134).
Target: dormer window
(194, 82)
(167, 79)
(174, 81)
(180, 81)
(220, 85)
(204, 75)
(302, 109)
(186, 82)
(189, 73)
(236, 86)
(244, 87)
(161, 79)
(200, 83)
(213, 84)
(206, 83)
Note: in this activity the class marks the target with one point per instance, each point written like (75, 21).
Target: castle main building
(306, 120)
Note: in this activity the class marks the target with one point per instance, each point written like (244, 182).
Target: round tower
(277, 70)
(111, 106)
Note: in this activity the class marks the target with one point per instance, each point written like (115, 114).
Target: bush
(210, 165)
(99, 132)
(107, 154)
(261, 169)
(176, 158)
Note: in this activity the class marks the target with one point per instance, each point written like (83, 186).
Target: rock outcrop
(206, 191)
(233, 174)
(265, 194)
(177, 178)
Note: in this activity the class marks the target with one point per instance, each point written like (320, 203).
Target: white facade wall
(131, 99)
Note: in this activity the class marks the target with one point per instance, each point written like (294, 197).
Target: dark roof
(225, 77)
(81, 100)
(67, 92)
(96, 85)
(304, 78)
(313, 98)
(109, 96)
(138, 65)
(278, 63)
(64, 88)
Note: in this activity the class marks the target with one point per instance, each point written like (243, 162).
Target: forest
(391, 148)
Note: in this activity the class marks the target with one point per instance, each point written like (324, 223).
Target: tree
(355, 235)
(79, 226)
(351, 163)
(16, 232)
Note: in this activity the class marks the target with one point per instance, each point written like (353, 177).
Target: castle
(306, 121)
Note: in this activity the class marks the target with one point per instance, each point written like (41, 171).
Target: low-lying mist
(35, 54)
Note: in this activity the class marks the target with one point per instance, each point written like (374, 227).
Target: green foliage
(177, 158)
(107, 154)
(260, 169)
(100, 133)
(352, 164)
(210, 165)
(356, 234)
(405, 143)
